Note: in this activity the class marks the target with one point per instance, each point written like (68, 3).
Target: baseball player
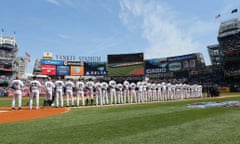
(125, 91)
(159, 92)
(90, 93)
(80, 86)
(112, 86)
(154, 91)
(105, 92)
(133, 92)
(34, 92)
(145, 94)
(140, 91)
(17, 85)
(98, 87)
(69, 85)
(149, 91)
(164, 91)
(49, 85)
(199, 91)
(119, 87)
(59, 91)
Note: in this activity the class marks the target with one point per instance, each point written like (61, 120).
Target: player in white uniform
(48, 98)
(80, 91)
(69, 85)
(112, 86)
(125, 91)
(34, 92)
(199, 91)
(169, 91)
(164, 91)
(90, 93)
(119, 93)
(133, 92)
(154, 91)
(159, 92)
(17, 85)
(145, 94)
(149, 91)
(105, 92)
(98, 87)
(59, 91)
(140, 91)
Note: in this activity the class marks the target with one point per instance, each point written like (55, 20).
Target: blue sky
(159, 28)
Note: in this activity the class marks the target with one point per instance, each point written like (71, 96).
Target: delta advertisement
(95, 69)
(171, 64)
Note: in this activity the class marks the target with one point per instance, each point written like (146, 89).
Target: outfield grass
(165, 122)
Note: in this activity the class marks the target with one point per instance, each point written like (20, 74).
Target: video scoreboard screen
(125, 64)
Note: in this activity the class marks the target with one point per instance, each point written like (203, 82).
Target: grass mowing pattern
(169, 122)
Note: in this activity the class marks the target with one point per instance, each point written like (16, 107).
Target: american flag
(234, 11)
(217, 16)
(27, 54)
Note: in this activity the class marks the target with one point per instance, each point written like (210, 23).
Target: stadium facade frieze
(78, 58)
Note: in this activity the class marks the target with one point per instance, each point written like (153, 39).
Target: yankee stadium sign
(78, 58)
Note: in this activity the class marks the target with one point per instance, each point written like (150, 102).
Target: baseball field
(163, 122)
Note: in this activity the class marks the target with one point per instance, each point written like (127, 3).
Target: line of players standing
(105, 93)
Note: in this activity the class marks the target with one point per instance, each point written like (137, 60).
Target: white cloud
(63, 36)
(165, 32)
(69, 3)
(54, 2)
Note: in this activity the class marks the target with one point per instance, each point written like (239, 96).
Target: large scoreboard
(125, 64)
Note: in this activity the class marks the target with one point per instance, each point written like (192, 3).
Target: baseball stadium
(126, 99)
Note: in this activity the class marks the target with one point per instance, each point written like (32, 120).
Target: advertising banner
(52, 62)
(48, 69)
(76, 70)
(155, 66)
(95, 69)
(182, 63)
(63, 70)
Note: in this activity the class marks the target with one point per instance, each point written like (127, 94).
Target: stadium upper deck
(8, 52)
